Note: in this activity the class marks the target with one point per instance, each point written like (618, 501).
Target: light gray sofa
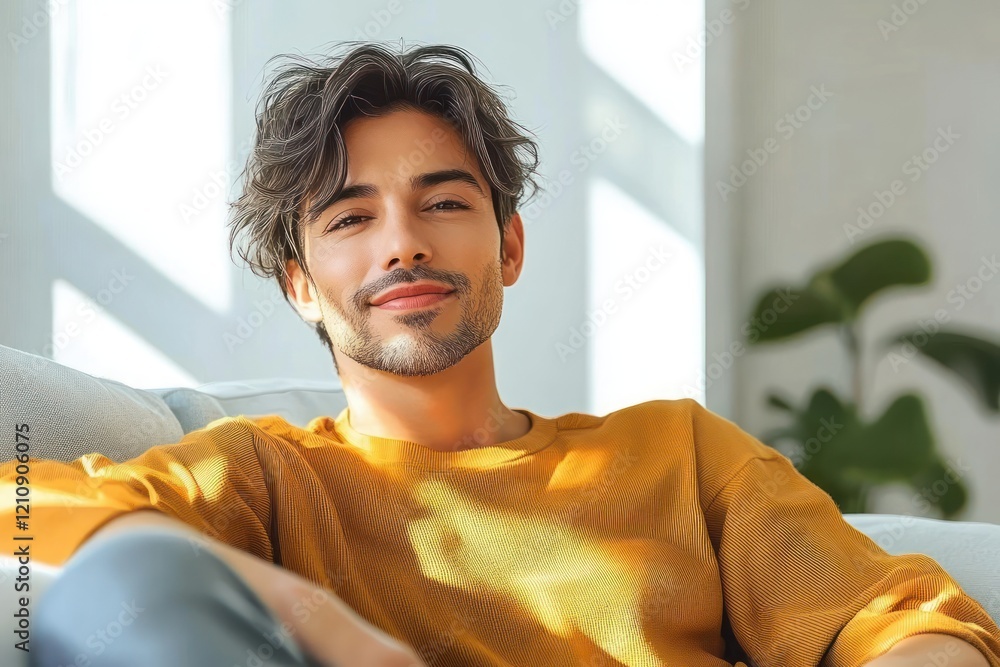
(71, 411)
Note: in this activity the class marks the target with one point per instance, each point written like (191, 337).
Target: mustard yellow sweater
(642, 537)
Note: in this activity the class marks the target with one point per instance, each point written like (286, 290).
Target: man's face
(394, 233)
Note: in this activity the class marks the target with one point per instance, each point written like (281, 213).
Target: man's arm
(802, 585)
(931, 648)
(331, 632)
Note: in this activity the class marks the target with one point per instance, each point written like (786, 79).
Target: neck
(458, 408)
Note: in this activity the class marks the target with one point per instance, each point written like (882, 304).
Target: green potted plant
(833, 444)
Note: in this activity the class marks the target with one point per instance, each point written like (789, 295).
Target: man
(428, 523)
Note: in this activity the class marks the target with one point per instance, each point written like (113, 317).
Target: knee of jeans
(151, 565)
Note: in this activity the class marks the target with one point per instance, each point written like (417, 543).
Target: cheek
(333, 278)
(338, 293)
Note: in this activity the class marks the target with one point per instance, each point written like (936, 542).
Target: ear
(301, 292)
(512, 251)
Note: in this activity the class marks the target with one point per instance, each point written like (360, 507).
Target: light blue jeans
(150, 599)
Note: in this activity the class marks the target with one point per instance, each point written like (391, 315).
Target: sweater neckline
(541, 434)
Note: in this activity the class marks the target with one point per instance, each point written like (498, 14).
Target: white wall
(891, 92)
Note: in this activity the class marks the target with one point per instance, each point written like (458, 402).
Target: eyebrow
(417, 182)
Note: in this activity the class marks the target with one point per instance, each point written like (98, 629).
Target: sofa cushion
(192, 408)
(298, 401)
(70, 413)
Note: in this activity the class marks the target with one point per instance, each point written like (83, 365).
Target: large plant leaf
(876, 267)
(974, 360)
(899, 445)
(818, 430)
(846, 456)
(781, 313)
(941, 488)
(835, 295)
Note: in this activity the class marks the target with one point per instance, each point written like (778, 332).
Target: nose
(404, 243)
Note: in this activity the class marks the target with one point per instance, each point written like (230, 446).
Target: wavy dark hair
(299, 158)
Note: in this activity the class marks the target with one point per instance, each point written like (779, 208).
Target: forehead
(402, 143)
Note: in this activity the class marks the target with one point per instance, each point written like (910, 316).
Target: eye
(346, 221)
(456, 205)
(351, 220)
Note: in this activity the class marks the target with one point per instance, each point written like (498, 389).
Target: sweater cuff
(869, 635)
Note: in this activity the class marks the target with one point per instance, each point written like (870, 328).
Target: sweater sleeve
(801, 586)
(211, 480)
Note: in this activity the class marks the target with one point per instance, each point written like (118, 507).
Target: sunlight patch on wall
(645, 314)
(140, 120)
(88, 338)
(654, 49)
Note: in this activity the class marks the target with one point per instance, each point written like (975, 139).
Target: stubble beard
(418, 350)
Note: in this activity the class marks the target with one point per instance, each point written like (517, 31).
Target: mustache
(457, 282)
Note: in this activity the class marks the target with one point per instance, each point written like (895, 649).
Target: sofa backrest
(298, 401)
(74, 413)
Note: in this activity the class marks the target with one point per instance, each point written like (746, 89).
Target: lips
(410, 290)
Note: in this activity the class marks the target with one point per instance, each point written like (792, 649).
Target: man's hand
(337, 636)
